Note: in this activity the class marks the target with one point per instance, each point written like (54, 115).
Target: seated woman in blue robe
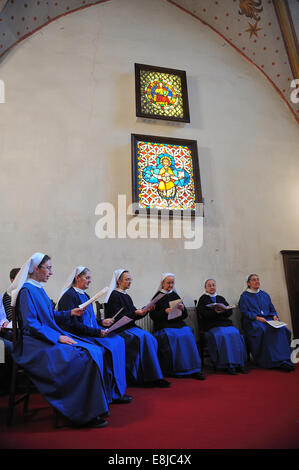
(225, 344)
(66, 369)
(269, 346)
(177, 349)
(142, 364)
(73, 295)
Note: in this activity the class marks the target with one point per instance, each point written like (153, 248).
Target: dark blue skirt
(177, 351)
(226, 347)
(69, 377)
(114, 372)
(142, 362)
(270, 347)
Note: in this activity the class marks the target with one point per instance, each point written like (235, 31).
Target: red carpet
(255, 411)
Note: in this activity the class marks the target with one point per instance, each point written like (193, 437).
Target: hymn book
(121, 322)
(276, 323)
(175, 311)
(114, 316)
(95, 297)
(154, 301)
(222, 306)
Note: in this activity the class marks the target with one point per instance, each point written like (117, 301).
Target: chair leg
(12, 394)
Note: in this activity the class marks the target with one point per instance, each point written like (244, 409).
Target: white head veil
(69, 282)
(113, 284)
(22, 275)
(164, 276)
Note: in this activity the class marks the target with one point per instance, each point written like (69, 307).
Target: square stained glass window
(161, 93)
(165, 174)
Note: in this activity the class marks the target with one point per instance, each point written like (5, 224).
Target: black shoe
(199, 376)
(161, 383)
(123, 400)
(286, 367)
(105, 415)
(242, 370)
(97, 422)
(231, 371)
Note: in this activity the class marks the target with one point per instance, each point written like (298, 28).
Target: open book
(222, 306)
(175, 311)
(276, 323)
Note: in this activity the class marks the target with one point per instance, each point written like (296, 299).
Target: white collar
(166, 291)
(80, 291)
(252, 291)
(120, 290)
(211, 295)
(35, 283)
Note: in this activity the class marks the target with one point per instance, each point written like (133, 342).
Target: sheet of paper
(175, 311)
(123, 321)
(95, 297)
(276, 323)
(154, 301)
(224, 307)
(114, 316)
(172, 303)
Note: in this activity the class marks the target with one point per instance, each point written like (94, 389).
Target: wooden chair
(99, 310)
(15, 395)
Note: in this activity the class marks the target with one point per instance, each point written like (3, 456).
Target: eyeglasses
(49, 268)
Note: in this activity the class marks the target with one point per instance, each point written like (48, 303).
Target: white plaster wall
(65, 147)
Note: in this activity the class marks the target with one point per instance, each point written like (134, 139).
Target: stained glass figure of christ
(165, 176)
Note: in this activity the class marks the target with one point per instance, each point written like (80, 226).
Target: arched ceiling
(262, 31)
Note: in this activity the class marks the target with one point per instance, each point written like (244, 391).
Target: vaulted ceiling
(262, 31)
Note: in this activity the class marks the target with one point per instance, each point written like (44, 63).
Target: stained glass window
(166, 174)
(161, 93)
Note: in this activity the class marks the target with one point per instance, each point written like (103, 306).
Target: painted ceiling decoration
(2, 4)
(262, 31)
(21, 18)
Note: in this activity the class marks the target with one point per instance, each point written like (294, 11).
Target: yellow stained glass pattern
(161, 94)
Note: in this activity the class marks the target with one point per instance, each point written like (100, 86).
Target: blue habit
(69, 377)
(177, 349)
(142, 364)
(114, 345)
(225, 344)
(269, 346)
